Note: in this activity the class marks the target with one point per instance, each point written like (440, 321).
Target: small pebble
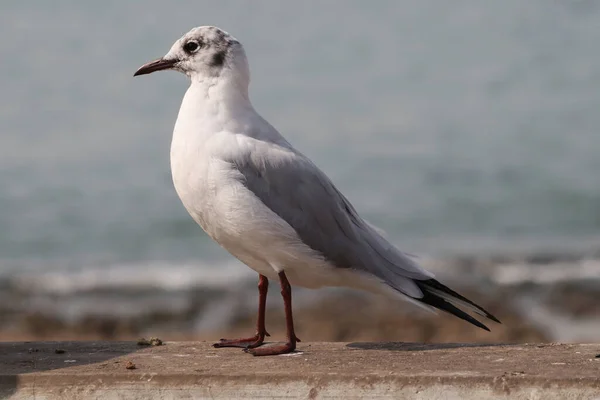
(130, 365)
(153, 341)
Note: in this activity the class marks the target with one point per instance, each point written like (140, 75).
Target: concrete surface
(188, 370)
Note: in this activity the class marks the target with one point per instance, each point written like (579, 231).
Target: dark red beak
(156, 65)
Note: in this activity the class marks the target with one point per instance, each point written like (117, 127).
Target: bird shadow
(403, 346)
(17, 358)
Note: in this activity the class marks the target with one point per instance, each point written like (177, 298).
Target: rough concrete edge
(189, 379)
(463, 388)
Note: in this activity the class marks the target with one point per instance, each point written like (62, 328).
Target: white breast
(213, 193)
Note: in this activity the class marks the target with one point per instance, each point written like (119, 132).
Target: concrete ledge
(319, 370)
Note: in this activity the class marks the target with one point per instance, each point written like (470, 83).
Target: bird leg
(290, 345)
(261, 332)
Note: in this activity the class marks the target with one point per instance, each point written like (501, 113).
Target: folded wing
(298, 192)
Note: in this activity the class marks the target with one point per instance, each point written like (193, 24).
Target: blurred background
(467, 130)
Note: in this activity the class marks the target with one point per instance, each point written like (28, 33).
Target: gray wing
(303, 196)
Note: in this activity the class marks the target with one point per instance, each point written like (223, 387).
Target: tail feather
(440, 296)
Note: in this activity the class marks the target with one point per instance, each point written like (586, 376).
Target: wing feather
(298, 192)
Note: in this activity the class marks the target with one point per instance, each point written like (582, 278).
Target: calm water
(458, 127)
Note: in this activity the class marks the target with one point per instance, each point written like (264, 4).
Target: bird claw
(272, 350)
(246, 343)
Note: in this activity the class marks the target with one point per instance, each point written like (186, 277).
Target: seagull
(268, 204)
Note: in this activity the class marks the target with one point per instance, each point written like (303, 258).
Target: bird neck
(221, 94)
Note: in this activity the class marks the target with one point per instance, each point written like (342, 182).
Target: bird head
(203, 53)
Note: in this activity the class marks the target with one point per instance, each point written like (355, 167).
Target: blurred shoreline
(458, 128)
(532, 306)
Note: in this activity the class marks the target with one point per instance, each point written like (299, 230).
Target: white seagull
(267, 203)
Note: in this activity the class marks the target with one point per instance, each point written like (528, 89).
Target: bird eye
(191, 46)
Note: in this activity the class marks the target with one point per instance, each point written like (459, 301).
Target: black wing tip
(439, 286)
(490, 316)
(441, 304)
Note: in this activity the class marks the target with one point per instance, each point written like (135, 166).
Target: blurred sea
(467, 130)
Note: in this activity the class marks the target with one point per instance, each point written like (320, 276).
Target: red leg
(290, 345)
(261, 332)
